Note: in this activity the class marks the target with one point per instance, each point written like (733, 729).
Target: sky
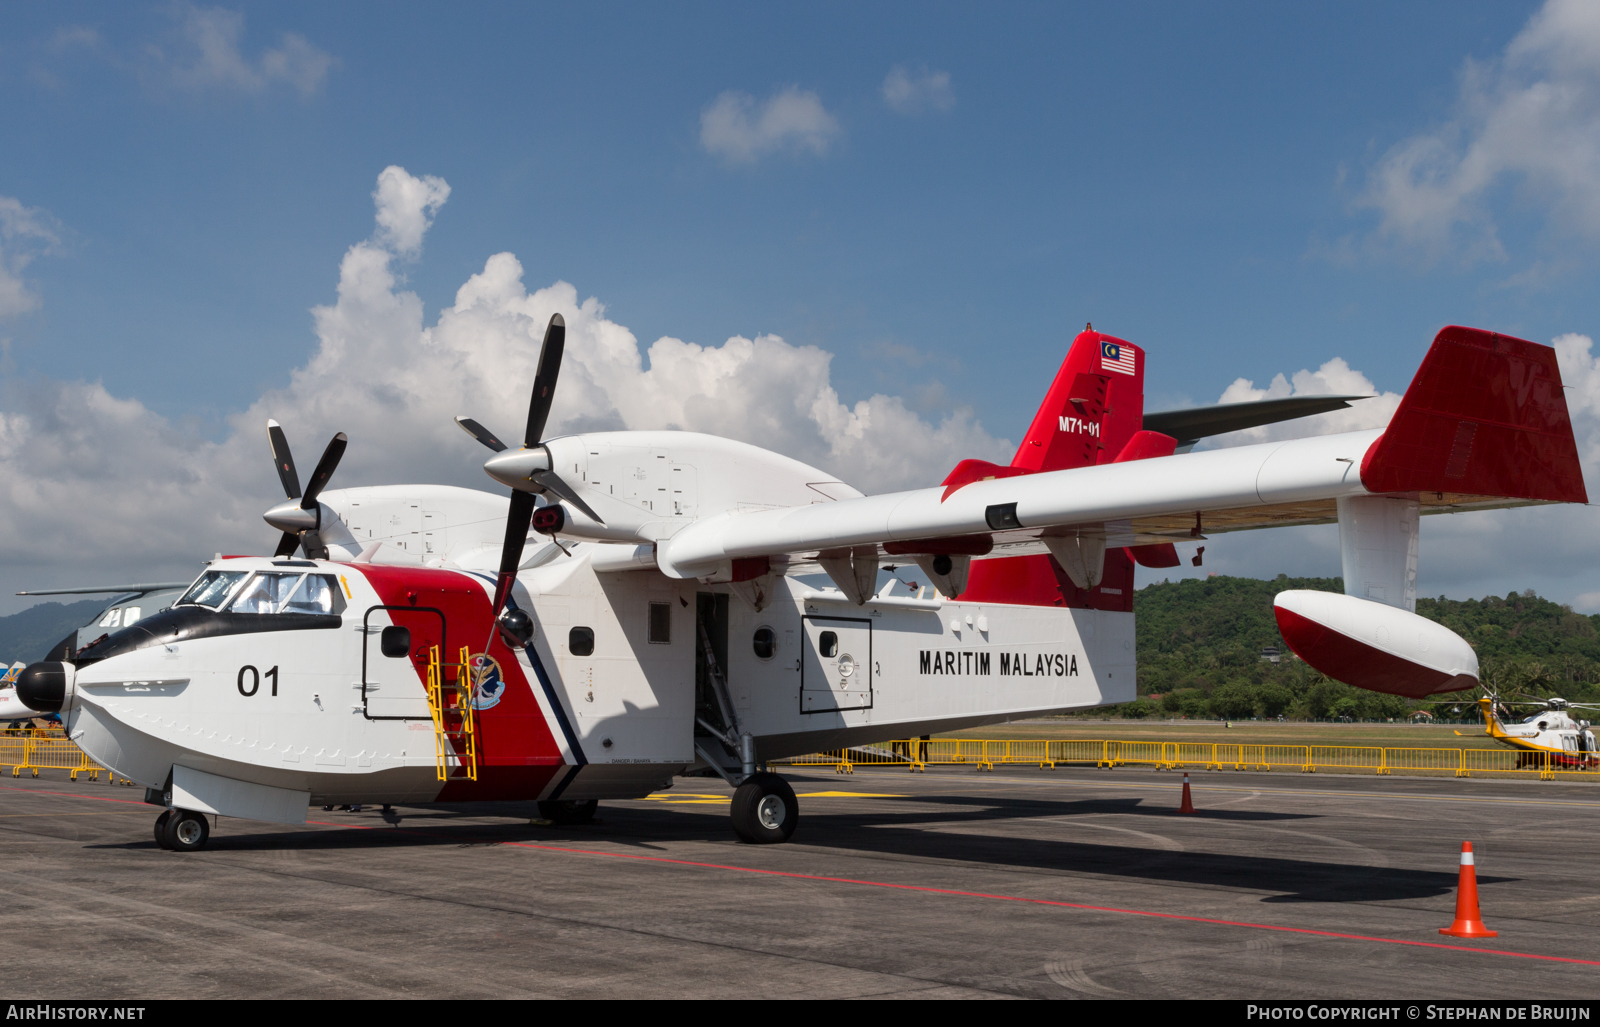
(859, 234)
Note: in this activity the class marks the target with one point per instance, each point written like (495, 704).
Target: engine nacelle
(1374, 646)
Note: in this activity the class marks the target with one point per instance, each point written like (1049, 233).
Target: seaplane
(641, 605)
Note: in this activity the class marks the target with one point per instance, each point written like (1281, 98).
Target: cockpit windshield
(271, 592)
(211, 589)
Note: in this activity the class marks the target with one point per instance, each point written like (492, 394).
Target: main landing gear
(764, 809)
(566, 811)
(182, 830)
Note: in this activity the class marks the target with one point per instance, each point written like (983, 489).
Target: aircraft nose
(43, 686)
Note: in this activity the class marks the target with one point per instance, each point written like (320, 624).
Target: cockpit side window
(318, 593)
(268, 592)
(265, 593)
(211, 589)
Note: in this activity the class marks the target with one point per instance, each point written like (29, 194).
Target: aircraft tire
(187, 831)
(764, 810)
(161, 828)
(567, 811)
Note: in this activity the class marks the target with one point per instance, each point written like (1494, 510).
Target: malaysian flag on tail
(1114, 357)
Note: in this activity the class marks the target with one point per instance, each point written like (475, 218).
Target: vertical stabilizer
(1092, 411)
(1093, 408)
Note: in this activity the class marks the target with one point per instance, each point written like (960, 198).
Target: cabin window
(289, 593)
(765, 643)
(112, 618)
(264, 593)
(580, 641)
(828, 644)
(661, 623)
(129, 615)
(211, 589)
(318, 593)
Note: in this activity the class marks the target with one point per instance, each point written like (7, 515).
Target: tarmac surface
(1074, 883)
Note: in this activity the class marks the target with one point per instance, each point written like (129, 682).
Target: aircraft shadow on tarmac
(952, 834)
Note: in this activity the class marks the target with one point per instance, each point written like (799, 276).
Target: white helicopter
(420, 652)
(1549, 732)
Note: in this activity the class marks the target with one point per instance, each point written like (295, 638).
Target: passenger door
(836, 665)
(395, 686)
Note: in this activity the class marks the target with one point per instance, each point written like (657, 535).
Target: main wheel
(568, 811)
(161, 828)
(765, 810)
(187, 831)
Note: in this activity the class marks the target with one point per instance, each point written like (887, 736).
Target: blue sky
(1243, 189)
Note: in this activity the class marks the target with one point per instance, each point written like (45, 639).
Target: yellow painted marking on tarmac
(847, 795)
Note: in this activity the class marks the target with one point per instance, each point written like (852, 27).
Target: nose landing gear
(182, 830)
(764, 809)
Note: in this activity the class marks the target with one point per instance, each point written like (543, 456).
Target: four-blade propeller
(300, 516)
(529, 471)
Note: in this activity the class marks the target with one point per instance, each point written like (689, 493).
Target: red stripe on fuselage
(517, 751)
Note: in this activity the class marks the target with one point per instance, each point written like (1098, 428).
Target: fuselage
(272, 672)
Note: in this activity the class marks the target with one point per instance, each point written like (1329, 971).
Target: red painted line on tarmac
(1055, 902)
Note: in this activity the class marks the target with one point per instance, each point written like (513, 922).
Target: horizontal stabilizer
(1484, 416)
(1192, 425)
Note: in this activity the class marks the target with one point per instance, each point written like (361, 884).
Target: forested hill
(28, 635)
(1200, 644)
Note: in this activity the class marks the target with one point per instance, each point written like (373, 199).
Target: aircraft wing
(1484, 424)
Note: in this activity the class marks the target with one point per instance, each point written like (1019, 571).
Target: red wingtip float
(648, 603)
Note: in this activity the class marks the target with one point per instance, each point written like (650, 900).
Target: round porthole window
(765, 643)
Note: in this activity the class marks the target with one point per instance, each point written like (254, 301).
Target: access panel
(836, 669)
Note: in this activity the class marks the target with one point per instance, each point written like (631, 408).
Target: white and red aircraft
(421, 653)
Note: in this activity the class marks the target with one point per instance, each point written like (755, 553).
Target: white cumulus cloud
(406, 206)
(1529, 119)
(1334, 378)
(100, 486)
(24, 233)
(210, 56)
(741, 131)
(906, 93)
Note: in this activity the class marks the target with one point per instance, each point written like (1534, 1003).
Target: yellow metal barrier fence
(36, 752)
(985, 754)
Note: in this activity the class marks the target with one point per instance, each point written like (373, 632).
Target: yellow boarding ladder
(455, 721)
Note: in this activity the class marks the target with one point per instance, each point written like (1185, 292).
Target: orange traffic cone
(1469, 922)
(1187, 805)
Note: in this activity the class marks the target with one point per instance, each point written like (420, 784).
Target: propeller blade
(480, 433)
(518, 520)
(324, 471)
(280, 456)
(552, 482)
(544, 383)
(287, 544)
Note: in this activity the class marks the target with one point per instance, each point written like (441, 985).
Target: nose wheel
(182, 830)
(765, 810)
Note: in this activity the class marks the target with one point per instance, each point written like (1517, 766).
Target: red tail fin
(1485, 415)
(1092, 411)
